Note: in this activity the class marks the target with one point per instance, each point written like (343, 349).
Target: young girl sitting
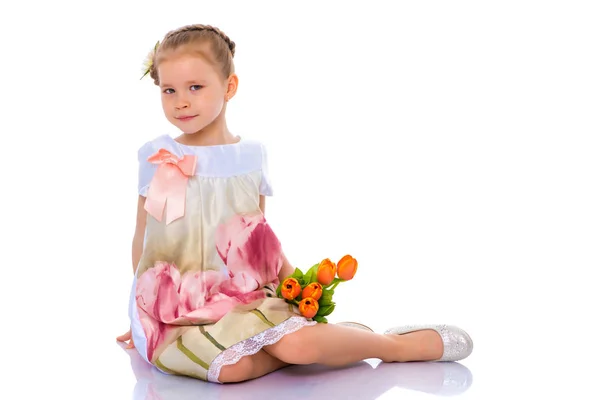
(207, 264)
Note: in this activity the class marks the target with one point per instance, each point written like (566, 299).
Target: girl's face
(192, 92)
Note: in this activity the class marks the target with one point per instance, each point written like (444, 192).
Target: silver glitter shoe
(458, 344)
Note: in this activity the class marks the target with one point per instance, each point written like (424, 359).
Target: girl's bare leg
(251, 367)
(336, 345)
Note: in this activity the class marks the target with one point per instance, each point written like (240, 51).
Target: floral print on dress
(165, 298)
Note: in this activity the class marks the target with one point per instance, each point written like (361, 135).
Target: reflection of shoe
(457, 379)
(457, 343)
(440, 378)
(355, 325)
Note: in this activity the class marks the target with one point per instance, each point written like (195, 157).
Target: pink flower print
(240, 283)
(166, 299)
(247, 244)
(195, 288)
(220, 304)
(157, 291)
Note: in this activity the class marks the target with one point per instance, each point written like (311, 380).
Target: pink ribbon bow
(169, 184)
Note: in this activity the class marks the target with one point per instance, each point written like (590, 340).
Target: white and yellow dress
(203, 294)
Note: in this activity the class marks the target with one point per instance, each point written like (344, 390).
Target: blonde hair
(190, 38)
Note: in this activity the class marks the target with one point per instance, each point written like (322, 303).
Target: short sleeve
(146, 169)
(265, 188)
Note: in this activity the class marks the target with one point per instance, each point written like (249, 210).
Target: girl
(207, 264)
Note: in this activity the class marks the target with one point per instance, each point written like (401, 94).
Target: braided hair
(222, 47)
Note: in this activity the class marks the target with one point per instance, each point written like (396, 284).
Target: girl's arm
(136, 253)
(286, 269)
(137, 244)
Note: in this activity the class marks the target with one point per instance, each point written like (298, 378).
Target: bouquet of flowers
(313, 291)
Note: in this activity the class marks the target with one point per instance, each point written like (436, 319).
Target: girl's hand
(125, 337)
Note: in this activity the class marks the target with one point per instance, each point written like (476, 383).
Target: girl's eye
(168, 91)
(195, 87)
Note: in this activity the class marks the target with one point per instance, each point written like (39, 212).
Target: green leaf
(298, 274)
(326, 310)
(320, 319)
(311, 274)
(279, 289)
(326, 298)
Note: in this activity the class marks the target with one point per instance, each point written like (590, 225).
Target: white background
(450, 146)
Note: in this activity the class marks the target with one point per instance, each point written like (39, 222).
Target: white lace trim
(252, 345)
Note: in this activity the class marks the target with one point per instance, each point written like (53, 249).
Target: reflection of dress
(203, 294)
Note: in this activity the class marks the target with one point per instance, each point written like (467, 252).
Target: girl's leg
(250, 367)
(335, 345)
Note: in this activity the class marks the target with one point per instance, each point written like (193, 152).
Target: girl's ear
(232, 85)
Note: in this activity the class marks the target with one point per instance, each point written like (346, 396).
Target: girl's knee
(294, 349)
(238, 372)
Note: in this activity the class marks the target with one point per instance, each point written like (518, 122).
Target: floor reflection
(365, 380)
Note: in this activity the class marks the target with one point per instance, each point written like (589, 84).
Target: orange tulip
(347, 267)
(326, 272)
(308, 307)
(314, 290)
(290, 289)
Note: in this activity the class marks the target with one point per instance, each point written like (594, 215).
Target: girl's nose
(182, 103)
